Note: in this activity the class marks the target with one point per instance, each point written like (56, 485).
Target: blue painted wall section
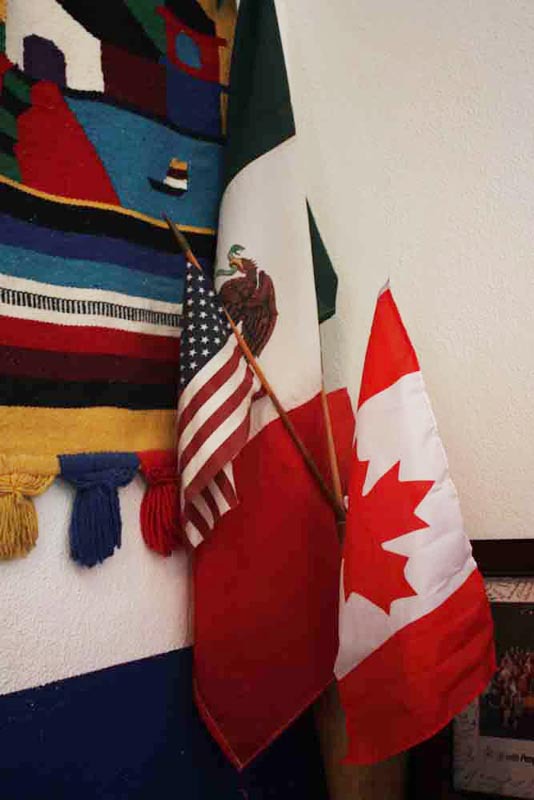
(131, 732)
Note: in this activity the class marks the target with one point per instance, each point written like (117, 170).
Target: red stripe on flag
(388, 338)
(216, 420)
(420, 678)
(225, 453)
(212, 505)
(192, 514)
(227, 490)
(82, 339)
(207, 389)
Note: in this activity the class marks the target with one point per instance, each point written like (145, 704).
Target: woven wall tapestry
(111, 115)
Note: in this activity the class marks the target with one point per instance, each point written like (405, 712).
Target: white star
(217, 340)
(190, 301)
(201, 290)
(193, 365)
(190, 314)
(201, 278)
(189, 277)
(211, 294)
(202, 302)
(192, 339)
(192, 352)
(204, 339)
(203, 314)
(205, 352)
(204, 327)
(191, 327)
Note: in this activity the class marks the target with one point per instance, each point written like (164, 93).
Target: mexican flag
(266, 579)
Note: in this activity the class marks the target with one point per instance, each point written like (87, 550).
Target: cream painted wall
(417, 126)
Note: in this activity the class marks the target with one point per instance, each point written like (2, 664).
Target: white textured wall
(417, 122)
(58, 620)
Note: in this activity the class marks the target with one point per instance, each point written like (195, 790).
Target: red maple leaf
(384, 513)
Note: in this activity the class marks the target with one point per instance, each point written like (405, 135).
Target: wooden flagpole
(328, 713)
(334, 464)
(333, 500)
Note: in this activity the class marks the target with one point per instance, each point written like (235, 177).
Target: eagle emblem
(249, 298)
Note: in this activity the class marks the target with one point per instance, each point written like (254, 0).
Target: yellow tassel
(21, 478)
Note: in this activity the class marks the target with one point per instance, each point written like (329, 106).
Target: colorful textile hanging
(111, 116)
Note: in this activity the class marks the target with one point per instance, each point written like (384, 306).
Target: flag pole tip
(385, 288)
(178, 235)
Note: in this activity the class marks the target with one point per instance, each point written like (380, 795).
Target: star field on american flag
(205, 329)
(216, 393)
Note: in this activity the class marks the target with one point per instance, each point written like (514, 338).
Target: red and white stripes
(213, 426)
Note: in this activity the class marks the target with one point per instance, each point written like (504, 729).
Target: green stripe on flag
(324, 272)
(260, 116)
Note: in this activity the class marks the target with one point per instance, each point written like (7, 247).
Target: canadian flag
(416, 636)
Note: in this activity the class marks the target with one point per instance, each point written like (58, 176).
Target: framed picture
(488, 750)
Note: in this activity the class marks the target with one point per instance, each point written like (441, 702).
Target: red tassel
(160, 517)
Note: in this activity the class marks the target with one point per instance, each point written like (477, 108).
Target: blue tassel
(95, 526)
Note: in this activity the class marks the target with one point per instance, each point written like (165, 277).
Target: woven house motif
(162, 60)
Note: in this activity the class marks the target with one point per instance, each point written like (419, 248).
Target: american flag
(216, 390)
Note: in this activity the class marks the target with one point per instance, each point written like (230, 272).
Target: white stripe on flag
(204, 510)
(220, 500)
(206, 373)
(212, 404)
(219, 436)
(193, 534)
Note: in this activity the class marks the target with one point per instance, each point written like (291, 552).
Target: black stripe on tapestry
(64, 305)
(83, 394)
(116, 24)
(96, 221)
(193, 15)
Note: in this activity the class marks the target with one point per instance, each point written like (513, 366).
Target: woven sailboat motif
(98, 105)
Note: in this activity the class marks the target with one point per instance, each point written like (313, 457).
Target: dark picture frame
(431, 763)
(504, 558)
